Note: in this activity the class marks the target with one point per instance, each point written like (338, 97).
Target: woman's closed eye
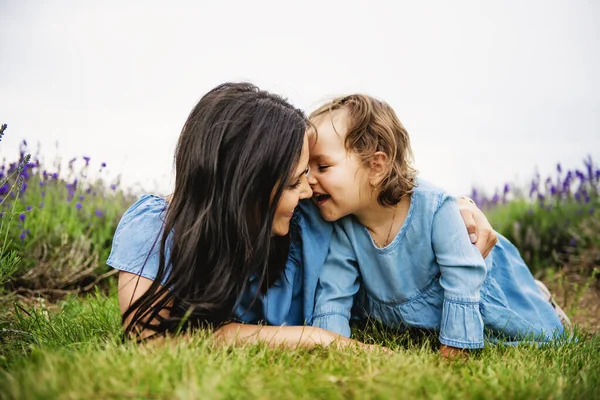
(296, 184)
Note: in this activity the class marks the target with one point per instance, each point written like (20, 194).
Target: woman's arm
(283, 336)
(132, 286)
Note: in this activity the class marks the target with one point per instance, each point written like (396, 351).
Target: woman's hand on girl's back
(480, 230)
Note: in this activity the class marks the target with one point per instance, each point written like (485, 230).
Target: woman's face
(298, 188)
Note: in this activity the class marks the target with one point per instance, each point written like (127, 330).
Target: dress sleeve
(338, 283)
(136, 243)
(462, 274)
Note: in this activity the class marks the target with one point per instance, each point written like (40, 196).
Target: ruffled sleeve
(463, 271)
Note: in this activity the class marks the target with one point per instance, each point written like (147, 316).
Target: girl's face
(298, 188)
(338, 178)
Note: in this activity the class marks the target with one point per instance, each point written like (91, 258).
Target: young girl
(404, 240)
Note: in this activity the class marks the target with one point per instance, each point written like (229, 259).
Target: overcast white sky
(487, 90)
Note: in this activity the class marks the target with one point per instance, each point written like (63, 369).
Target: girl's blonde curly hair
(373, 126)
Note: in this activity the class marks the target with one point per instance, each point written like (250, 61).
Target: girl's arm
(463, 271)
(132, 286)
(338, 284)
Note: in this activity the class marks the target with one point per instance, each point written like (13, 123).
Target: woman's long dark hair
(235, 156)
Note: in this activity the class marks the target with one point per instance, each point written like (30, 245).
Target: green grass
(76, 352)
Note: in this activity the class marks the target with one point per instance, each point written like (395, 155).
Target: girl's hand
(452, 353)
(480, 231)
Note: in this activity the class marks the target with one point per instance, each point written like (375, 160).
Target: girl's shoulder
(137, 238)
(428, 196)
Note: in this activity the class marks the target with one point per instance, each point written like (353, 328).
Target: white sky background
(487, 90)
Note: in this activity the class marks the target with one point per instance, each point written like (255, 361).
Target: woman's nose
(306, 191)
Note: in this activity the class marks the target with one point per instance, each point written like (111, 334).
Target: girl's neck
(384, 223)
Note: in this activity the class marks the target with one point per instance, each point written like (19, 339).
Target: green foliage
(548, 237)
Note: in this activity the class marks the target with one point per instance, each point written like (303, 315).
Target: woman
(227, 251)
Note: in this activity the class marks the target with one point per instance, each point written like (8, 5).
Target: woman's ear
(380, 167)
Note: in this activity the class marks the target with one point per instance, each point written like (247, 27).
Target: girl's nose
(311, 179)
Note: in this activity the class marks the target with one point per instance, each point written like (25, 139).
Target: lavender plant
(9, 259)
(549, 220)
(62, 222)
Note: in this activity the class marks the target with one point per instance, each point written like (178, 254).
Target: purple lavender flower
(103, 165)
(552, 190)
(29, 208)
(589, 167)
(42, 204)
(22, 217)
(496, 198)
(24, 187)
(573, 242)
(81, 198)
(87, 160)
(591, 211)
(558, 168)
(55, 176)
(99, 213)
(22, 236)
(42, 183)
(113, 186)
(534, 188)
(78, 206)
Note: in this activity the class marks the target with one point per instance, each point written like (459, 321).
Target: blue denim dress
(431, 276)
(290, 301)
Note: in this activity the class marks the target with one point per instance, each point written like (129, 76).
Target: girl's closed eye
(322, 167)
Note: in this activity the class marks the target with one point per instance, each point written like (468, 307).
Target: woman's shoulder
(137, 238)
(144, 217)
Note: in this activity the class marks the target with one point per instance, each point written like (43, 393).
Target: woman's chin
(280, 231)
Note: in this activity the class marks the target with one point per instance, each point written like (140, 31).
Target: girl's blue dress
(431, 276)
